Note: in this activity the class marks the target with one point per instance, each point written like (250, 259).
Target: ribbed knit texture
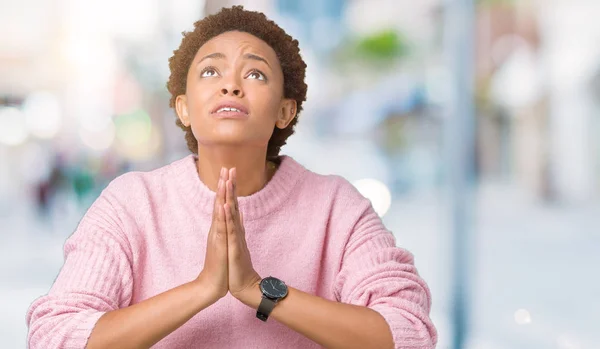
(146, 233)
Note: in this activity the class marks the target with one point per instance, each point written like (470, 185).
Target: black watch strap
(264, 309)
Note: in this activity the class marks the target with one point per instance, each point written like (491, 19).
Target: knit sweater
(147, 231)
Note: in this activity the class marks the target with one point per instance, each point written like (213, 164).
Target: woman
(203, 252)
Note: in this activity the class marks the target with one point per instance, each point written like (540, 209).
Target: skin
(256, 84)
(232, 163)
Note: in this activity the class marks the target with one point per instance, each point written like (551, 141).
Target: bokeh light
(133, 130)
(377, 192)
(43, 114)
(522, 317)
(13, 129)
(98, 140)
(136, 139)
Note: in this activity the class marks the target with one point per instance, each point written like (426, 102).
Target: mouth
(230, 110)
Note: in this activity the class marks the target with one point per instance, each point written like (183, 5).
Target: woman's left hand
(242, 276)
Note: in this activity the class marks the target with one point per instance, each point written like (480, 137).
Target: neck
(253, 170)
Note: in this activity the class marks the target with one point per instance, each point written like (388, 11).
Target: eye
(255, 74)
(208, 72)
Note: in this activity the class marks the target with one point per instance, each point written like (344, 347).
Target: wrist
(205, 291)
(251, 296)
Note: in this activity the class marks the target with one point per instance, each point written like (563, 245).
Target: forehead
(236, 43)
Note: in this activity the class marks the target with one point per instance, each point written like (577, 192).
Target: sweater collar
(270, 198)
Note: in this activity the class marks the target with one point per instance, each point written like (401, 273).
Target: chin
(233, 134)
(231, 140)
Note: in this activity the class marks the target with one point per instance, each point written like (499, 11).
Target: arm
(376, 274)
(89, 302)
(144, 324)
(330, 324)
(382, 301)
(96, 278)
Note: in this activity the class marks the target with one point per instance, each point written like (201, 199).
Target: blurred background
(472, 127)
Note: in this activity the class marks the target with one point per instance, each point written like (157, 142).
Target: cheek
(199, 96)
(266, 103)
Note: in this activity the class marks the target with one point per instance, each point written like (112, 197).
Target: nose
(231, 87)
(234, 91)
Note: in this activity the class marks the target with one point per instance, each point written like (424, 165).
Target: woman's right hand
(214, 274)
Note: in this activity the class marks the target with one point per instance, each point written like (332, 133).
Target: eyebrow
(256, 58)
(216, 55)
(219, 55)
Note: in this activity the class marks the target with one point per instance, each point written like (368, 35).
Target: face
(234, 92)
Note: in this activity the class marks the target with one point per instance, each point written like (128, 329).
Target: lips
(230, 109)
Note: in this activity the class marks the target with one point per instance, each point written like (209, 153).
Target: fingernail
(222, 171)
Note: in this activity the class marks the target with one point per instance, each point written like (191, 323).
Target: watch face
(273, 287)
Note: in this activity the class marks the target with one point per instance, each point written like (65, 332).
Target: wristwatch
(273, 290)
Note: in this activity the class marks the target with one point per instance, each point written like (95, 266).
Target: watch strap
(264, 309)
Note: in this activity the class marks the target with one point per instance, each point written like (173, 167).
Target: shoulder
(129, 197)
(124, 201)
(330, 184)
(333, 187)
(133, 185)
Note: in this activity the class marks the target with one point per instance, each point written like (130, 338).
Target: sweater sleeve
(377, 274)
(96, 278)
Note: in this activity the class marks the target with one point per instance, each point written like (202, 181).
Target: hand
(242, 276)
(215, 272)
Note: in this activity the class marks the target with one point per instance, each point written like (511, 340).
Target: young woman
(235, 245)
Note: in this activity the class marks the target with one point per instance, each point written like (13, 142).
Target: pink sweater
(147, 233)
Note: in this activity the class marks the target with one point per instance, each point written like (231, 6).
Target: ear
(287, 113)
(182, 111)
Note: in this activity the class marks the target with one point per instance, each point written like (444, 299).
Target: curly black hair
(254, 23)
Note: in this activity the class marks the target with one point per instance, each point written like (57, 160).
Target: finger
(231, 192)
(229, 218)
(233, 205)
(229, 186)
(242, 228)
(221, 231)
(221, 222)
(233, 178)
(224, 176)
(216, 203)
(221, 246)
